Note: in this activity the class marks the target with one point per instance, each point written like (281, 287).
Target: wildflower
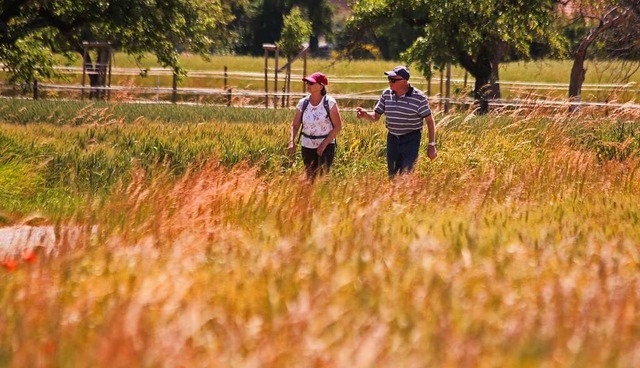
(29, 255)
(9, 264)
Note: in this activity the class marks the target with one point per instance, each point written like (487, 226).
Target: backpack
(305, 104)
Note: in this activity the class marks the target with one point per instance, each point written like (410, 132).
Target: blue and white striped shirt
(404, 113)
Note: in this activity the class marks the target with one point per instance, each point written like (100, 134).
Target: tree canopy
(295, 31)
(261, 21)
(476, 35)
(382, 28)
(608, 26)
(32, 30)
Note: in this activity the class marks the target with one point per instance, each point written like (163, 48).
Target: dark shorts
(314, 163)
(402, 152)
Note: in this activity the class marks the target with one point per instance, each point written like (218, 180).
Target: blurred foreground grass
(517, 247)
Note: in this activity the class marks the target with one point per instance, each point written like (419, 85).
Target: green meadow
(535, 80)
(201, 243)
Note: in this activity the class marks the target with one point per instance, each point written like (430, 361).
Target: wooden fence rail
(228, 94)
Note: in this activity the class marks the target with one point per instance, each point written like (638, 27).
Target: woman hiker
(318, 119)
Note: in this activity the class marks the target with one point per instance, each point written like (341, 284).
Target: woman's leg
(326, 160)
(310, 160)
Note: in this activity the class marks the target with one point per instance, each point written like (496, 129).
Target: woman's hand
(321, 148)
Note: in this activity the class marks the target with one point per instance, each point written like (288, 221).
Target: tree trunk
(479, 91)
(484, 69)
(578, 73)
(314, 43)
(614, 16)
(498, 53)
(484, 90)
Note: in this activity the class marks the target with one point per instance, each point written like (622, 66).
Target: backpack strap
(326, 107)
(305, 104)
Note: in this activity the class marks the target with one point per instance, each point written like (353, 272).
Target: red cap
(317, 77)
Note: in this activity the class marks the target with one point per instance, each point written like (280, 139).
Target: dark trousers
(315, 164)
(402, 152)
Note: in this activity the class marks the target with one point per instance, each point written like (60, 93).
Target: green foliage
(475, 35)
(388, 26)
(295, 31)
(26, 61)
(620, 41)
(320, 13)
(33, 29)
(616, 141)
(65, 149)
(78, 148)
(469, 34)
(261, 21)
(18, 180)
(419, 54)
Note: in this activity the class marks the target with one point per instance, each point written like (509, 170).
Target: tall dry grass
(518, 247)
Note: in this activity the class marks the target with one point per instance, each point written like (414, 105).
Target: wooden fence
(171, 92)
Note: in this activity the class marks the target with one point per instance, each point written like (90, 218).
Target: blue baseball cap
(399, 71)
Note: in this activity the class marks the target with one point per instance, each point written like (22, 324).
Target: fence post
(225, 77)
(447, 96)
(35, 89)
(304, 72)
(466, 74)
(288, 81)
(84, 71)
(266, 78)
(441, 87)
(174, 93)
(275, 80)
(226, 87)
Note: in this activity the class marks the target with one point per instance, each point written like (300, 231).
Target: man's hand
(432, 152)
(361, 113)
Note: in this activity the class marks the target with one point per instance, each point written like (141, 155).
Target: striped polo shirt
(404, 113)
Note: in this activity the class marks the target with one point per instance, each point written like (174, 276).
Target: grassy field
(359, 78)
(517, 247)
(544, 70)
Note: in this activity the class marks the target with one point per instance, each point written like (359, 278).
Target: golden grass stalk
(508, 264)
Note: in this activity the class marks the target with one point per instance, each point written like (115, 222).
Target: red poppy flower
(29, 255)
(9, 264)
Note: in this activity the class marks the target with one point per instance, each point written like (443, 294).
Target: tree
(261, 21)
(31, 31)
(477, 35)
(619, 18)
(382, 29)
(295, 31)
(320, 14)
